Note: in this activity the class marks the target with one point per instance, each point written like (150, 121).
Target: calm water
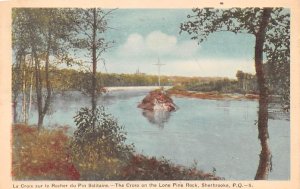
(216, 134)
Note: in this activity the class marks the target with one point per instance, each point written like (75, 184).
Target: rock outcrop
(157, 100)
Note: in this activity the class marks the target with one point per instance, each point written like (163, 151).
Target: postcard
(149, 94)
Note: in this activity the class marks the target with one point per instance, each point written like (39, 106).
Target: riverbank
(185, 93)
(174, 92)
(135, 88)
(211, 95)
(46, 155)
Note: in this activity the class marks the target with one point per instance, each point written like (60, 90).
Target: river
(211, 134)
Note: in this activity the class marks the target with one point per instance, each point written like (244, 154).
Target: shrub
(98, 146)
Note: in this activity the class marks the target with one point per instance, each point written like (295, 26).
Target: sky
(143, 35)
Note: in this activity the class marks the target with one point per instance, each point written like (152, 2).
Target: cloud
(155, 44)
(181, 57)
(205, 67)
(134, 44)
(159, 42)
(187, 48)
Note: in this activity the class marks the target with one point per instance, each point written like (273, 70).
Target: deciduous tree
(90, 26)
(41, 34)
(260, 23)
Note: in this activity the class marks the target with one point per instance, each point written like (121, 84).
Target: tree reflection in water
(157, 117)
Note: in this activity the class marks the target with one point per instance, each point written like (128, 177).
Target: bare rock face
(157, 100)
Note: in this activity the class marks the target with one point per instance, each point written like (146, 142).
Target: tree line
(244, 83)
(75, 80)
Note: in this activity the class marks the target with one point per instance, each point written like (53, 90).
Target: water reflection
(157, 117)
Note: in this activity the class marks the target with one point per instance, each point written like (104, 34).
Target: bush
(98, 146)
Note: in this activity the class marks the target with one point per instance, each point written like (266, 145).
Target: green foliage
(85, 85)
(276, 51)
(245, 83)
(85, 22)
(98, 146)
(16, 81)
(178, 88)
(205, 21)
(90, 26)
(130, 80)
(224, 86)
(40, 41)
(44, 30)
(70, 79)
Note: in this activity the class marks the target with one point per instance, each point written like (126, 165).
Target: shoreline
(212, 95)
(189, 94)
(179, 93)
(131, 88)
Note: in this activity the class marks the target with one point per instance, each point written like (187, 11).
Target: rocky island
(157, 100)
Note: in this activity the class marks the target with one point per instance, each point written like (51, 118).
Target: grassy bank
(41, 155)
(47, 155)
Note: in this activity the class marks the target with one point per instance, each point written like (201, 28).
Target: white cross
(159, 65)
